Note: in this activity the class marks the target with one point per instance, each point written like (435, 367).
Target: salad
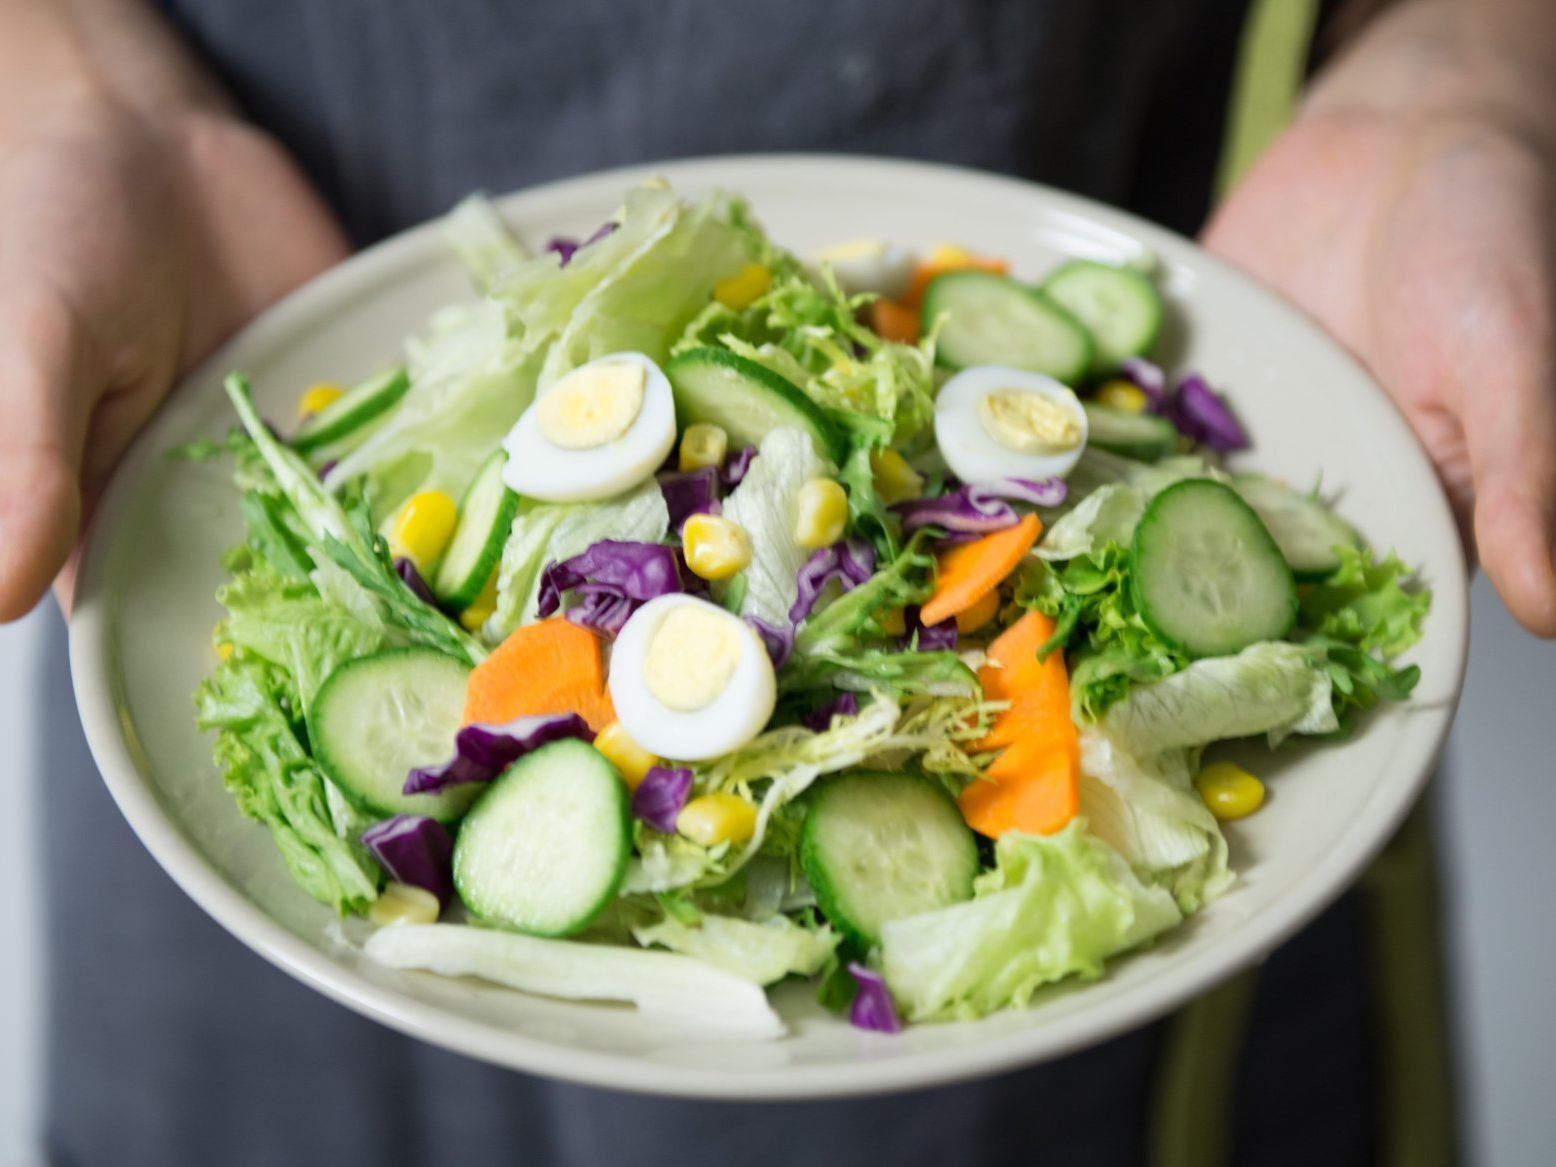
(680, 616)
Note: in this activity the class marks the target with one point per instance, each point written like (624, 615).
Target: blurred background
(1496, 807)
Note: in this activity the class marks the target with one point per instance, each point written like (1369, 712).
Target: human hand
(131, 243)
(1413, 218)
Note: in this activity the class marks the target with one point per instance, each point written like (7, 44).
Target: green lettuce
(1054, 906)
(477, 235)
(1106, 515)
(265, 764)
(763, 504)
(762, 952)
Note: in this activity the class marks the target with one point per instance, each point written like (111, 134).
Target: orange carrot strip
(550, 667)
(893, 320)
(970, 571)
(1034, 785)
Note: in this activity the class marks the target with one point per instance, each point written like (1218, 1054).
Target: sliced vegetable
(1119, 306)
(545, 849)
(481, 752)
(1308, 533)
(1034, 785)
(976, 508)
(761, 952)
(987, 319)
(486, 514)
(690, 995)
(553, 666)
(1207, 577)
(968, 572)
(348, 418)
(415, 850)
(660, 797)
(873, 1007)
(1146, 436)
(748, 401)
(878, 847)
(379, 717)
(847, 563)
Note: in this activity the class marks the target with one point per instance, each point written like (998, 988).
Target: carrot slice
(1034, 785)
(970, 571)
(553, 666)
(894, 320)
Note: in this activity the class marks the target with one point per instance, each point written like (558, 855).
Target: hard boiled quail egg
(994, 422)
(603, 428)
(689, 679)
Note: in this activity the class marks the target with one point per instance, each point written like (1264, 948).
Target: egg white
(869, 265)
(735, 716)
(971, 453)
(539, 469)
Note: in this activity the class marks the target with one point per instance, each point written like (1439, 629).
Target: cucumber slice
(1120, 307)
(1146, 436)
(1207, 576)
(379, 717)
(877, 847)
(1306, 531)
(716, 386)
(352, 414)
(485, 516)
(993, 320)
(546, 847)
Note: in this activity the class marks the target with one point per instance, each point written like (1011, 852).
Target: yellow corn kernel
(1229, 791)
(1125, 395)
(717, 818)
(715, 547)
(895, 480)
(740, 290)
(703, 445)
(820, 513)
(401, 903)
(631, 759)
(317, 398)
(482, 607)
(223, 650)
(949, 255)
(893, 622)
(979, 614)
(423, 528)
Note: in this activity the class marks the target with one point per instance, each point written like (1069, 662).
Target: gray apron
(171, 1045)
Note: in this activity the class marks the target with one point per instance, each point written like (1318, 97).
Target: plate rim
(92, 657)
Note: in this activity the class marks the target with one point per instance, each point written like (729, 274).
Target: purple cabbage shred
(406, 570)
(939, 637)
(873, 1007)
(848, 562)
(979, 508)
(843, 705)
(694, 492)
(483, 751)
(779, 642)
(414, 849)
(567, 247)
(1202, 415)
(736, 465)
(610, 580)
(661, 795)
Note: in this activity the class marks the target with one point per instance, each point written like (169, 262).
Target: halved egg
(690, 680)
(995, 422)
(869, 265)
(600, 430)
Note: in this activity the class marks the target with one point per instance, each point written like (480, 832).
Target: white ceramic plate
(140, 638)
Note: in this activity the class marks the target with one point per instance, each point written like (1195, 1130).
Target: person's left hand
(1424, 239)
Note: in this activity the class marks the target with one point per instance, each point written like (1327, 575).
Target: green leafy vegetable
(1054, 906)
(761, 952)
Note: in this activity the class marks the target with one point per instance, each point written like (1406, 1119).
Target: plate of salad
(771, 627)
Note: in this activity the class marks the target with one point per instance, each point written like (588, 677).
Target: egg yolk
(1030, 423)
(691, 657)
(592, 407)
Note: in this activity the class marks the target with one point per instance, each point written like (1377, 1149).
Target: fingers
(45, 394)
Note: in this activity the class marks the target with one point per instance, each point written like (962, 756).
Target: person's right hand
(129, 247)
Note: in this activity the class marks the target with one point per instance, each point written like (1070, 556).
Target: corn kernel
(423, 528)
(949, 255)
(742, 289)
(1125, 395)
(401, 903)
(717, 818)
(715, 547)
(1229, 791)
(979, 614)
(482, 607)
(703, 445)
(317, 398)
(821, 513)
(631, 759)
(893, 622)
(223, 651)
(895, 480)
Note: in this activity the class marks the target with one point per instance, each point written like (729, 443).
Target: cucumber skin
(830, 441)
(461, 596)
(1311, 573)
(1139, 601)
(471, 900)
(1101, 365)
(395, 385)
(815, 864)
(1145, 451)
(439, 809)
(1070, 376)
